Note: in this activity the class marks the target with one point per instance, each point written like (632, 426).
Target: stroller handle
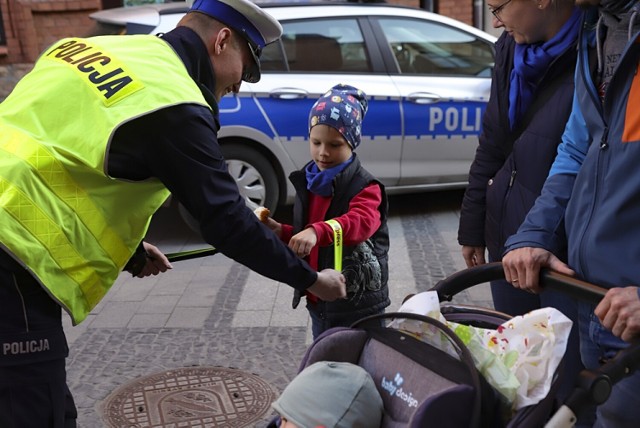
(460, 281)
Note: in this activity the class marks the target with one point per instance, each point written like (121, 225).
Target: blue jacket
(510, 166)
(594, 189)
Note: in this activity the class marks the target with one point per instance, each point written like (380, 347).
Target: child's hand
(302, 242)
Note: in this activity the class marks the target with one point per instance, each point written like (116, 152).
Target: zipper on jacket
(503, 213)
(604, 141)
(604, 144)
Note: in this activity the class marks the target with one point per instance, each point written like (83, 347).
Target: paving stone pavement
(215, 312)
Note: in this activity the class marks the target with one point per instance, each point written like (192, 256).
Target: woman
(531, 97)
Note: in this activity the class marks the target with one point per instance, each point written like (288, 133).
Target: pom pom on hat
(343, 107)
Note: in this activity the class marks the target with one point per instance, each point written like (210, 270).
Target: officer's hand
(274, 226)
(330, 286)
(156, 261)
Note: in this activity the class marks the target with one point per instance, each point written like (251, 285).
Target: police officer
(92, 141)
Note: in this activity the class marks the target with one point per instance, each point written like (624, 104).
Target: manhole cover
(190, 397)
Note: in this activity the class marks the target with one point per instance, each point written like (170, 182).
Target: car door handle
(423, 98)
(288, 93)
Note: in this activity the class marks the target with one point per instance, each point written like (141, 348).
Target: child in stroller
(423, 386)
(337, 394)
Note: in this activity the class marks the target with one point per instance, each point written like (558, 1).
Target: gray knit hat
(332, 395)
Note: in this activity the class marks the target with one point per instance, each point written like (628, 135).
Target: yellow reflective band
(107, 77)
(32, 218)
(64, 187)
(337, 244)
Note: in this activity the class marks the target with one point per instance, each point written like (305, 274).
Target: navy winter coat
(511, 166)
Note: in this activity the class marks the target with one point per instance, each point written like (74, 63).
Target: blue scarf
(321, 182)
(531, 61)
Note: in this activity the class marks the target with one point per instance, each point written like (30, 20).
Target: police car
(427, 77)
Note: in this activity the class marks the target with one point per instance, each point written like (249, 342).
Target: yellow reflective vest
(70, 224)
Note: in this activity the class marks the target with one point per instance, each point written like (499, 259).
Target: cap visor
(253, 74)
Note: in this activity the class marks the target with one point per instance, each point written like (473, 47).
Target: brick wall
(462, 10)
(32, 25)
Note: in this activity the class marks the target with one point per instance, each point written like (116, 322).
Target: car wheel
(256, 178)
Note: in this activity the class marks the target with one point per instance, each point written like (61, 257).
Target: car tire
(256, 177)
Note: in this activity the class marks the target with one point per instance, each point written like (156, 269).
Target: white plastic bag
(518, 359)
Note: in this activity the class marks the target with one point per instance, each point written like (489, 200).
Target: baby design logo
(394, 388)
(398, 379)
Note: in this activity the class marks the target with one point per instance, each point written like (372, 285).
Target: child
(330, 394)
(334, 186)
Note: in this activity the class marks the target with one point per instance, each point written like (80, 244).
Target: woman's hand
(473, 256)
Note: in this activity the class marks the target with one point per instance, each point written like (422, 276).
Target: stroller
(424, 386)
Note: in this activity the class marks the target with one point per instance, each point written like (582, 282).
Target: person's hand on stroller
(522, 267)
(473, 256)
(619, 311)
(330, 286)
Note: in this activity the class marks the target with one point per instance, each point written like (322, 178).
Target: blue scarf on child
(531, 61)
(321, 182)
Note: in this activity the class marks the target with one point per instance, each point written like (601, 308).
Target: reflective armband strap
(337, 244)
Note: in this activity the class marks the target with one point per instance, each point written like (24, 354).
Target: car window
(322, 45)
(432, 48)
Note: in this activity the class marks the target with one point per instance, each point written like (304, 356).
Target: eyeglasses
(497, 10)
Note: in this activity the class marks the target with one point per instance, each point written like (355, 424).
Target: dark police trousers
(33, 348)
